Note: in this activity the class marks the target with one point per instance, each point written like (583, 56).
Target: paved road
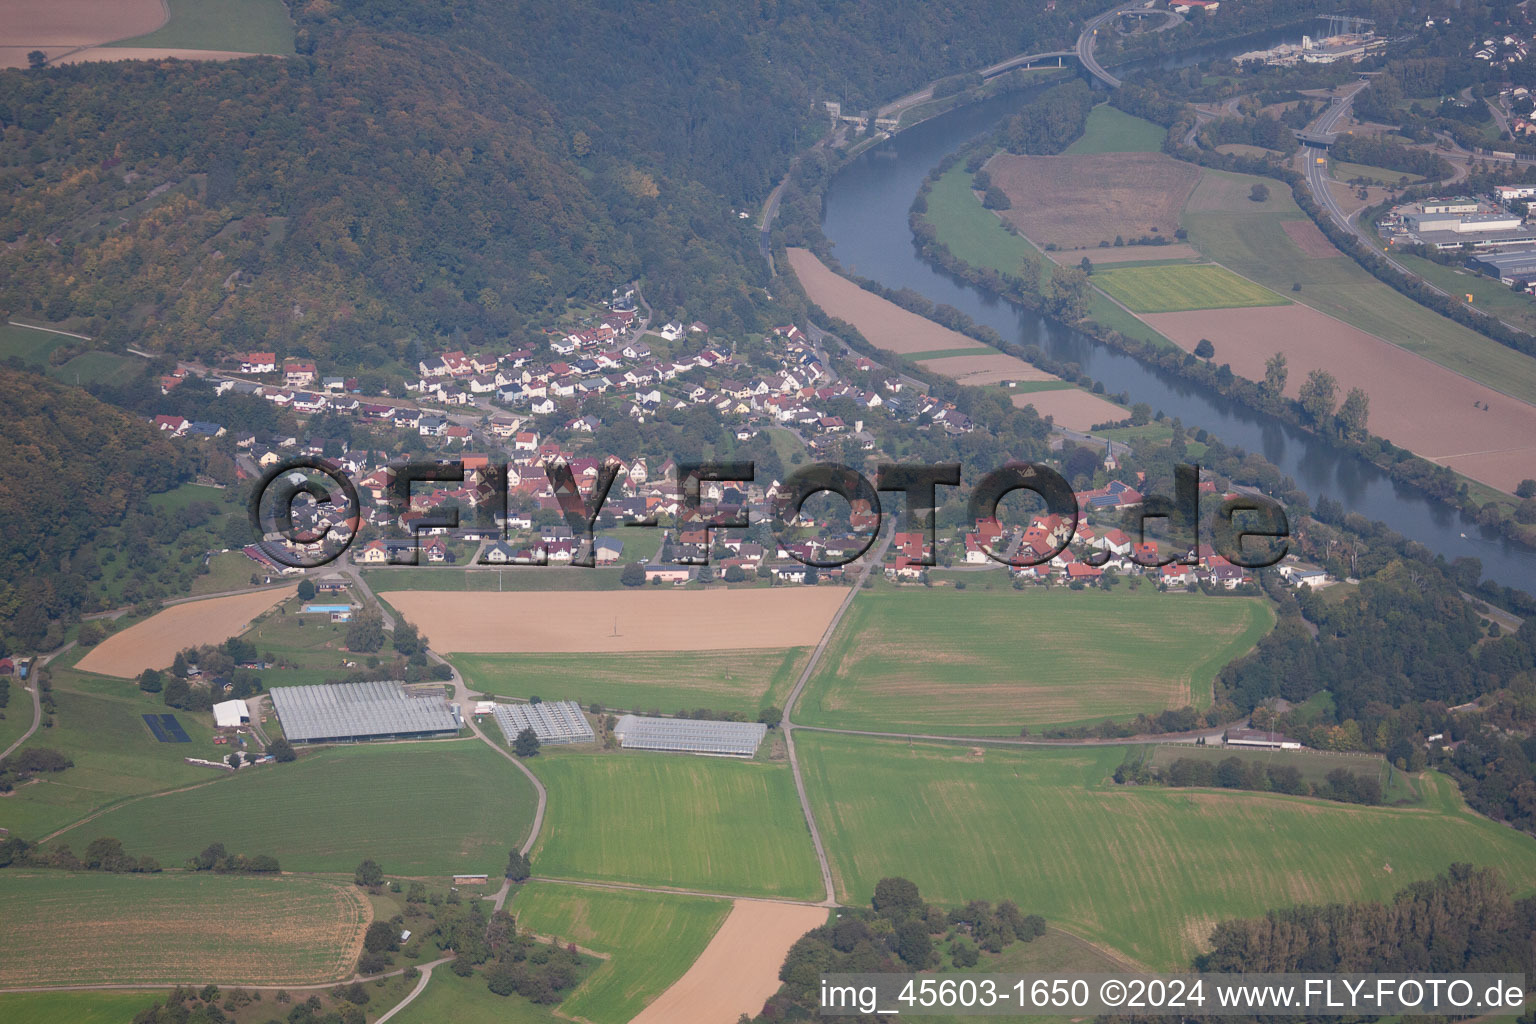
(872, 559)
(1089, 38)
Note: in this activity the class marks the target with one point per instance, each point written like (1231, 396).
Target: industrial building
(356, 712)
(690, 735)
(1260, 739)
(1511, 268)
(558, 721)
(231, 714)
(1463, 223)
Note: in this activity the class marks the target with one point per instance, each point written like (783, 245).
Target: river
(865, 216)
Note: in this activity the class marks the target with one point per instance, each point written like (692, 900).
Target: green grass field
(720, 680)
(1144, 870)
(945, 353)
(1487, 293)
(34, 347)
(245, 26)
(973, 663)
(650, 940)
(713, 824)
(1249, 238)
(1341, 170)
(467, 1001)
(976, 236)
(1111, 130)
(74, 1007)
(98, 725)
(65, 928)
(430, 808)
(1173, 287)
(29, 345)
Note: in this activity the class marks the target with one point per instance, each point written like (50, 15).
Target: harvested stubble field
(430, 808)
(884, 323)
(154, 642)
(649, 938)
(82, 929)
(1124, 254)
(740, 968)
(1415, 403)
(645, 619)
(1072, 407)
(1143, 870)
(58, 27)
(708, 823)
(1076, 202)
(983, 663)
(721, 680)
(1164, 289)
(985, 369)
(1310, 239)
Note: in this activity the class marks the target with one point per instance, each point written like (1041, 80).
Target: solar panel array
(558, 721)
(355, 711)
(689, 735)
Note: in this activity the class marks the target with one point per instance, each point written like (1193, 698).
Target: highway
(1085, 43)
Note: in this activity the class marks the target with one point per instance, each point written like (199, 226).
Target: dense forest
(421, 171)
(70, 468)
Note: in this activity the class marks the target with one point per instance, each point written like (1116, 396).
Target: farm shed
(231, 714)
(689, 735)
(559, 721)
(355, 712)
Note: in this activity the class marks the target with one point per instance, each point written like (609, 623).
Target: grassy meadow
(467, 1001)
(245, 26)
(650, 940)
(983, 663)
(1112, 130)
(74, 1007)
(429, 808)
(721, 680)
(1145, 871)
(1173, 287)
(673, 820)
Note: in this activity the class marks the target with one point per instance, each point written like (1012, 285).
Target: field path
(37, 699)
(872, 558)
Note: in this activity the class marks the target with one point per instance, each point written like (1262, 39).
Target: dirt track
(739, 969)
(1415, 403)
(646, 619)
(884, 323)
(154, 642)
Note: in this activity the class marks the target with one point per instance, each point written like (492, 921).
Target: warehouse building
(690, 736)
(357, 712)
(1509, 267)
(231, 714)
(558, 721)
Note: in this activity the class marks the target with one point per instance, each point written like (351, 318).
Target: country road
(37, 698)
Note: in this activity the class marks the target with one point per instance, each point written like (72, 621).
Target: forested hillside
(450, 169)
(71, 468)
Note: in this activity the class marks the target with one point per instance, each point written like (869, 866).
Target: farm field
(1075, 408)
(977, 236)
(97, 724)
(1341, 170)
(1112, 130)
(884, 323)
(1175, 287)
(401, 801)
(65, 928)
(1175, 252)
(650, 939)
(247, 26)
(675, 820)
(74, 1007)
(468, 1001)
(720, 680)
(1144, 871)
(987, 368)
(645, 620)
(154, 642)
(985, 663)
(1414, 403)
(59, 26)
(1076, 202)
(1250, 239)
(739, 969)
